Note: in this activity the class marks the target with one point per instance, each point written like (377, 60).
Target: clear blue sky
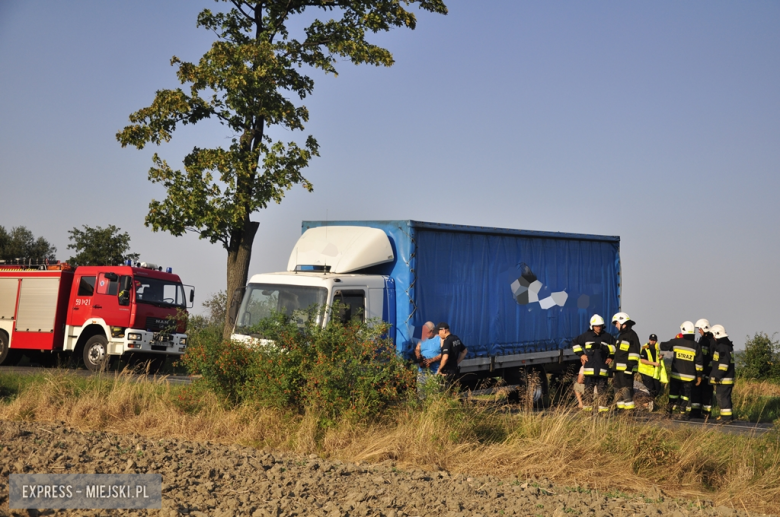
(655, 121)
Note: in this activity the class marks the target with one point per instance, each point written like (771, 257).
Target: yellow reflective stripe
(620, 366)
(727, 381)
(604, 373)
(715, 356)
(625, 345)
(699, 368)
(726, 412)
(612, 349)
(602, 409)
(629, 405)
(682, 376)
(577, 348)
(588, 371)
(723, 367)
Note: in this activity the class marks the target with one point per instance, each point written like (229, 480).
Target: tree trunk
(239, 255)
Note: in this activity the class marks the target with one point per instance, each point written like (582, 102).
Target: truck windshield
(262, 300)
(159, 292)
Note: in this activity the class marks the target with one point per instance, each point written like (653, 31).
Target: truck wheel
(96, 353)
(8, 357)
(539, 388)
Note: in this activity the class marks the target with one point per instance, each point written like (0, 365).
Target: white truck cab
(318, 274)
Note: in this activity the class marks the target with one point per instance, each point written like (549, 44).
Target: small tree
(100, 246)
(243, 82)
(216, 306)
(21, 245)
(760, 359)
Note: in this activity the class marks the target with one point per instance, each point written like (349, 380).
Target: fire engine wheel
(8, 357)
(96, 353)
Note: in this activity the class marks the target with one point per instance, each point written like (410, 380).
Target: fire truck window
(86, 286)
(107, 286)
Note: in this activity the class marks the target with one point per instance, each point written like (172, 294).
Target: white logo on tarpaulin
(526, 289)
(85, 491)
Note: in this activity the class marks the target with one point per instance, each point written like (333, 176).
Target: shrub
(760, 359)
(346, 370)
(223, 365)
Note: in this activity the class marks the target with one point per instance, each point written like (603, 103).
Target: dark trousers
(600, 395)
(624, 389)
(679, 396)
(696, 395)
(723, 394)
(652, 384)
(707, 392)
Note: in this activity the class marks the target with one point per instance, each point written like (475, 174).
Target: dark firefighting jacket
(707, 345)
(687, 355)
(722, 362)
(627, 347)
(597, 349)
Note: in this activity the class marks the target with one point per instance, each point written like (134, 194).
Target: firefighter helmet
(596, 321)
(621, 318)
(703, 324)
(718, 331)
(687, 327)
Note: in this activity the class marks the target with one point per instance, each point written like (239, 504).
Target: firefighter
(627, 349)
(596, 349)
(650, 365)
(703, 393)
(685, 370)
(722, 373)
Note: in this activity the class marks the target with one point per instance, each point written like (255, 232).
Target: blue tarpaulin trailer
(514, 297)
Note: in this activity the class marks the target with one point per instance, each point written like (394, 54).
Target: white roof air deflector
(342, 248)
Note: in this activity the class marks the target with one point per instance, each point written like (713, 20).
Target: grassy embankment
(608, 454)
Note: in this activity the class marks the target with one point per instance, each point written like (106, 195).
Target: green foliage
(100, 246)
(21, 245)
(342, 370)
(760, 359)
(216, 306)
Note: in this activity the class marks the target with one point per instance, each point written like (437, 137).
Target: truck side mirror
(235, 304)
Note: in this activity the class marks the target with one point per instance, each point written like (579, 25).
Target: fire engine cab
(95, 312)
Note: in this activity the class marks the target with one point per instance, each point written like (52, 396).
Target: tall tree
(100, 246)
(245, 81)
(20, 245)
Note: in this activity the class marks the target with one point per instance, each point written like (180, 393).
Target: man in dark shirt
(452, 353)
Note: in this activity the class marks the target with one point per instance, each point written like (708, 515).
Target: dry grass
(606, 454)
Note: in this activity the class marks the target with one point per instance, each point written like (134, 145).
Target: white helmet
(687, 327)
(596, 321)
(703, 324)
(621, 317)
(718, 331)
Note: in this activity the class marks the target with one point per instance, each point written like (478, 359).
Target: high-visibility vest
(649, 369)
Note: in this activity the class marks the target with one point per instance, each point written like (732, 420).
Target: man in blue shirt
(428, 350)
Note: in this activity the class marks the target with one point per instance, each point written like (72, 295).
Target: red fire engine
(93, 311)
